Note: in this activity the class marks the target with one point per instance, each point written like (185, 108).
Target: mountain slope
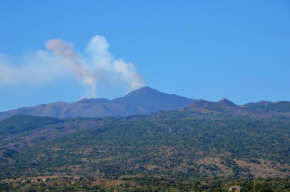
(78, 109)
(152, 100)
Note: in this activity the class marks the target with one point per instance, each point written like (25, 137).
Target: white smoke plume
(96, 65)
(82, 72)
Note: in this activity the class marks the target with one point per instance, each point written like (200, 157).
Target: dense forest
(171, 150)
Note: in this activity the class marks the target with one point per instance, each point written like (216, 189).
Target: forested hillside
(171, 144)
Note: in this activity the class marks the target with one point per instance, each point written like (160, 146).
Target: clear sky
(212, 50)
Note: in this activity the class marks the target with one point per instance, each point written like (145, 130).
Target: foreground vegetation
(165, 151)
(140, 184)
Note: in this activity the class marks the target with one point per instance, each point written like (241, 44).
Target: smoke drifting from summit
(82, 73)
(96, 65)
(111, 69)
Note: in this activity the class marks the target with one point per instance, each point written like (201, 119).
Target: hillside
(172, 144)
(18, 124)
(266, 106)
(222, 107)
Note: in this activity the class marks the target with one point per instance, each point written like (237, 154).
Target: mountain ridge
(141, 101)
(147, 100)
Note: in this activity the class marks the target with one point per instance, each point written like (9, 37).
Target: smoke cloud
(82, 72)
(95, 66)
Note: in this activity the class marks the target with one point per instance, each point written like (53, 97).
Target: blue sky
(212, 50)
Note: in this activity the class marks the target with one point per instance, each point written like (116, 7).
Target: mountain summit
(142, 101)
(152, 100)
